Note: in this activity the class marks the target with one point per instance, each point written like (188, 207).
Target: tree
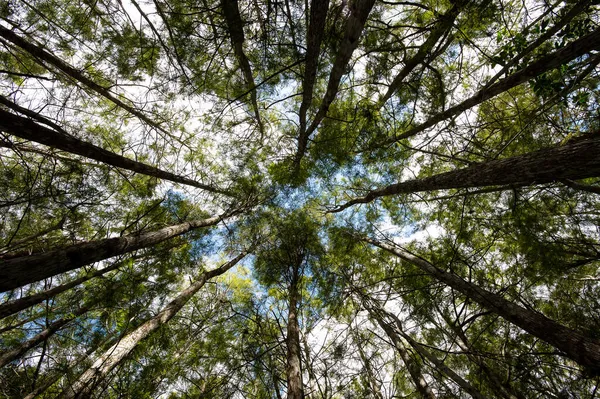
(318, 199)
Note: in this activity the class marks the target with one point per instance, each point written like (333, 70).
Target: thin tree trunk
(354, 26)
(443, 26)
(576, 346)
(85, 384)
(578, 159)
(16, 353)
(42, 56)
(414, 368)
(12, 307)
(295, 390)
(58, 138)
(549, 62)
(235, 26)
(374, 385)
(18, 271)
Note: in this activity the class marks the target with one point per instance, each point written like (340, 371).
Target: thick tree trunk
(12, 307)
(578, 159)
(295, 389)
(576, 346)
(414, 369)
(16, 272)
(549, 62)
(235, 26)
(16, 353)
(84, 385)
(43, 57)
(58, 138)
(314, 36)
(359, 13)
(443, 26)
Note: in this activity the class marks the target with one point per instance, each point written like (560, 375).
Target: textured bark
(549, 62)
(576, 346)
(58, 138)
(23, 348)
(295, 389)
(42, 56)
(414, 369)
(578, 159)
(16, 272)
(85, 384)
(354, 26)
(442, 27)
(12, 307)
(316, 28)
(235, 26)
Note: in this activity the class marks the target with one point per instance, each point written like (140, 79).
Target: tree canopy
(317, 199)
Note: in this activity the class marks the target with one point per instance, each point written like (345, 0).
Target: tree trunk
(58, 138)
(314, 36)
(295, 389)
(84, 385)
(360, 10)
(235, 26)
(16, 353)
(16, 272)
(576, 346)
(414, 369)
(12, 307)
(374, 385)
(578, 159)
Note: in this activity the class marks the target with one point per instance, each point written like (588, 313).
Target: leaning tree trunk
(295, 389)
(576, 346)
(85, 384)
(414, 368)
(23, 348)
(578, 159)
(18, 271)
(58, 138)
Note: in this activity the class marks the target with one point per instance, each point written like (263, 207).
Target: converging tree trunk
(576, 346)
(578, 159)
(22, 270)
(58, 138)
(295, 389)
(84, 385)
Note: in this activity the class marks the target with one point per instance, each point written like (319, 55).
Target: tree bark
(16, 353)
(295, 390)
(578, 159)
(85, 384)
(235, 26)
(360, 10)
(18, 271)
(58, 138)
(316, 28)
(551, 61)
(414, 369)
(574, 345)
